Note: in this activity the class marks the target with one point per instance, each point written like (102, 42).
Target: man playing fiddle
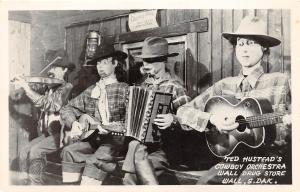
(32, 156)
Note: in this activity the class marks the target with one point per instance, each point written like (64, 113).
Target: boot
(90, 181)
(144, 167)
(36, 170)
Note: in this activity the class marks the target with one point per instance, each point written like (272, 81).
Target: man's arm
(74, 109)
(192, 115)
(54, 102)
(179, 98)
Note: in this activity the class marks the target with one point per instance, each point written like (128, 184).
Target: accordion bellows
(143, 106)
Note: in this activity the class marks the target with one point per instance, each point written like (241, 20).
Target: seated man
(251, 43)
(32, 156)
(104, 103)
(140, 167)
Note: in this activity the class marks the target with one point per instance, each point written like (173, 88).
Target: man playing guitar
(251, 43)
(101, 105)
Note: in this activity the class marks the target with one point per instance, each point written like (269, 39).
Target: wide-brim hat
(105, 50)
(60, 59)
(154, 47)
(64, 63)
(254, 28)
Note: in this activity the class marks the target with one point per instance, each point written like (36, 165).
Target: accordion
(143, 106)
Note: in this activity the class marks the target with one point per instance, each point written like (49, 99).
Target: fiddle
(50, 81)
(36, 83)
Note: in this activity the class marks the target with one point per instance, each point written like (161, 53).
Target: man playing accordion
(144, 162)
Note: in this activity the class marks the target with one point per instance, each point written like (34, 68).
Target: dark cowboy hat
(105, 50)
(256, 29)
(154, 47)
(58, 58)
(64, 63)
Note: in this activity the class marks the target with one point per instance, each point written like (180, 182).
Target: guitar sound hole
(242, 125)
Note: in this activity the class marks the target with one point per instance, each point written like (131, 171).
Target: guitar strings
(253, 119)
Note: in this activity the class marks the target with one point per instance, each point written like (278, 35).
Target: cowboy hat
(64, 63)
(105, 50)
(58, 58)
(154, 47)
(255, 28)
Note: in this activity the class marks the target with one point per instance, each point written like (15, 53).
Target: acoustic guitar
(256, 124)
(90, 130)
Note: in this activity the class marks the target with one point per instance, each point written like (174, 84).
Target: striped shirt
(85, 104)
(275, 87)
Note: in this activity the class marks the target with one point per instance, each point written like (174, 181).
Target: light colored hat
(253, 27)
(155, 47)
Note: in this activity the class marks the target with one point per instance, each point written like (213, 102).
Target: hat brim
(119, 54)
(265, 40)
(145, 56)
(70, 66)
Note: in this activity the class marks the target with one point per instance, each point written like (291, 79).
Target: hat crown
(104, 49)
(252, 25)
(155, 46)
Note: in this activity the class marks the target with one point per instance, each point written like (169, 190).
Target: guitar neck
(264, 120)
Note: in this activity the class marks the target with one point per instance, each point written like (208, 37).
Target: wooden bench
(53, 176)
(196, 153)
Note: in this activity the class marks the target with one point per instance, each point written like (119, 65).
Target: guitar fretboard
(264, 119)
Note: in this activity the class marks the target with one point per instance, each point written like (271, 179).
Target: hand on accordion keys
(164, 121)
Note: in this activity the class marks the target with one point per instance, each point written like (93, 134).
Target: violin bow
(50, 64)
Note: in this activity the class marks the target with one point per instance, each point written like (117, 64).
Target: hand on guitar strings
(223, 124)
(76, 130)
(163, 121)
(101, 130)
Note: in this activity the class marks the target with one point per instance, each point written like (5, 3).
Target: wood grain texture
(215, 55)
(228, 53)
(192, 64)
(216, 38)
(274, 26)
(204, 54)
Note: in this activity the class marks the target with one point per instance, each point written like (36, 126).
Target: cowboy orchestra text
(265, 169)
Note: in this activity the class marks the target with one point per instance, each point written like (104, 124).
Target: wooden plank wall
(214, 56)
(20, 126)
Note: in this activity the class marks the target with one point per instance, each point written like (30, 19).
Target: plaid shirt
(85, 104)
(274, 86)
(50, 103)
(53, 99)
(171, 85)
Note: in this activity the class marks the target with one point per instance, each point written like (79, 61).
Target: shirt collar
(108, 80)
(101, 84)
(252, 77)
(159, 81)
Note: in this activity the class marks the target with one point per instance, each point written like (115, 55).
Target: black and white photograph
(186, 96)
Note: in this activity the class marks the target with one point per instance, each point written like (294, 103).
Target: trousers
(143, 164)
(83, 159)
(32, 157)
